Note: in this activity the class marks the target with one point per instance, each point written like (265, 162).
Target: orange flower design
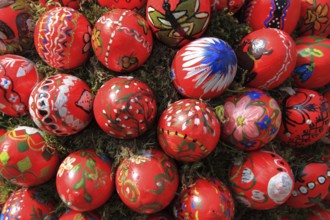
(317, 16)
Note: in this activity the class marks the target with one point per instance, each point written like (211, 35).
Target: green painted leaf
(87, 197)
(24, 165)
(79, 184)
(91, 164)
(76, 168)
(22, 147)
(4, 157)
(83, 153)
(45, 171)
(2, 138)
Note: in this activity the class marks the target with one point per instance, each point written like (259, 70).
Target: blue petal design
(264, 124)
(248, 144)
(253, 95)
(304, 72)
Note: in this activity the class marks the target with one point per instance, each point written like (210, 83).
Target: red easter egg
(61, 104)
(122, 40)
(25, 158)
(26, 203)
(314, 18)
(312, 65)
(49, 4)
(253, 119)
(130, 4)
(16, 27)
(204, 68)
(319, 213)
(266, 57)
(18, 76)
(177, 22)
(69, 46)
(283, 15)
(84, 181)
(125, 107)
(2, 131)
(74, 215)
(326, 138)
(263, 180)
(205, 199)
(311, 185)
(147, 183)
(306, 117)
(188, 130)
(159, 216)
(232, 6)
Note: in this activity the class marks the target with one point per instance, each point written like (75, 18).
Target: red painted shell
(253, 119)
(18, 76)
(49, 4)
(267, 57)
(319, 213)
(188, 130)
(176, 22)
(2, 131)
(125, 107)
(160, 216)
(232, 6)
(312, 65)
(205, 199)
(74, 215)
(204, 68)
(264, 180)
(84, 181)
(314, 18)
(61, 104)
(122, 40)
(17, 27)
(69, 46)
(147, 183)
(306, 118)
(124, 4)
(278, 14)
(326, 138)
(25, 158)
(25, 203)
(311, 185)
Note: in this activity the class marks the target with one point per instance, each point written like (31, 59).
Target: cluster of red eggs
(189, 129)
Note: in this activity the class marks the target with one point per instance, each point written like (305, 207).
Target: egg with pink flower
(253, 119)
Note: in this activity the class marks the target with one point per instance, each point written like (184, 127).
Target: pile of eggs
(261, 115)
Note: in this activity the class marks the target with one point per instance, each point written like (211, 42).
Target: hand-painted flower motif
(66, 165)
(318, 16)
(5, 83)
(74, 215)
(253, 120)
(204, 68)
(139, 159)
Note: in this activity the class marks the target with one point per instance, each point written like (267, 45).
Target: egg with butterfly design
(279, 14)
(306, 117)
(147, 182)
(262, 180)
(177, 22)
(204, 68)
(312, 65)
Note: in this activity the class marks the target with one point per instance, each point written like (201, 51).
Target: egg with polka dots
(305, 118)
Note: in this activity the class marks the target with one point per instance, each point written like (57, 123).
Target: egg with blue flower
(253, 118)
(204, 68)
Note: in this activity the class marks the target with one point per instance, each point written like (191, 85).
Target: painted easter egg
(205, 199)
(122, 40)
(125, 107)
(69, 46)
(131, 4)
(311, 185)
(326, 138)
(312, 65)
(266, 58)
(16, 27)
(26, 203)
(74, 215)
(314, 18)
(232, 6)
(49, 4)
(18, 76)
(25, 158)
(160, 216)
(84, 181)
(263, 180)
(279, 14)
(253, 119)
(61, 104)
(188, 130)
(177, 22)
(306, 118)
(2, 131)
(147, 183)
(204, 68)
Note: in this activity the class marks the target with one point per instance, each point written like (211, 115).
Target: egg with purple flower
(204, 68)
